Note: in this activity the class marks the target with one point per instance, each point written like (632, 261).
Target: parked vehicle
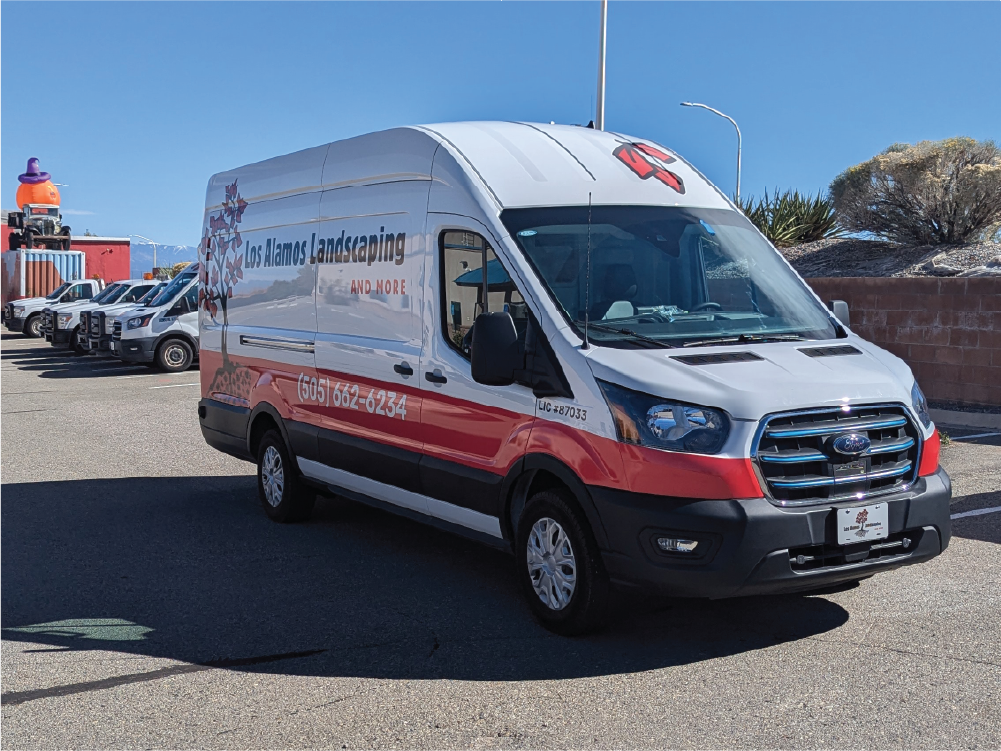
(60, 322)
(565, 342)
(101, 322)
(165, 333)
(129, 293)
(26, 315)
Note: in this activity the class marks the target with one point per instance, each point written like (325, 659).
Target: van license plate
(863, 523)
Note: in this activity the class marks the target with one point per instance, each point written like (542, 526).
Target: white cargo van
(565, 342)
(165, 333)
(101, 322)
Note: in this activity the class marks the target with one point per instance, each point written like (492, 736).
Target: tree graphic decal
(221, 271)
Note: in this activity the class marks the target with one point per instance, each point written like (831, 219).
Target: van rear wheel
(174, 356)
(282, 494)
(560, 567)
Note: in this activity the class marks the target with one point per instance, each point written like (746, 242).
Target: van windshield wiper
(744, 339)
(629, 333)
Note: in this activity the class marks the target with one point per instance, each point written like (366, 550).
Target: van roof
(519, 164)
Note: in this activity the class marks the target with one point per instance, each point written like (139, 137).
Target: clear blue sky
(135, 105)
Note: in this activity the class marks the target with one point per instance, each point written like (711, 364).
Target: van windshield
(107, 293)
(57, 291)
(178, 283)
(666, 276)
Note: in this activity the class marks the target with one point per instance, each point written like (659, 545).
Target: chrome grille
(95, 323)
(116, 333)
(799, 466)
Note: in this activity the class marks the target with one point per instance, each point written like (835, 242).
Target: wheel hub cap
(552, 565)
(272, 476)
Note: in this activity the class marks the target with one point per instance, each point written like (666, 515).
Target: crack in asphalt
(20, 697)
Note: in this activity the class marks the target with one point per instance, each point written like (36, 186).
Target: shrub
(792, 218)
(932, 193)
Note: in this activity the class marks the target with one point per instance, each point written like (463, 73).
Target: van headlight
(659, 423)
(920, 405)
(64, 319)
(139, 322)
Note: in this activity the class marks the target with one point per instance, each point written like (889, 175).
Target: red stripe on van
(493, 439)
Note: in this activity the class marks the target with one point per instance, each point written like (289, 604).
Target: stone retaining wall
(947, 330)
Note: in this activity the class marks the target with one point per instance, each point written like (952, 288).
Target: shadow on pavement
(983, 527)
(189, 568)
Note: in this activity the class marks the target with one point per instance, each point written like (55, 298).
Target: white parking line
(977, 512)
(176, 385)
(971, 437)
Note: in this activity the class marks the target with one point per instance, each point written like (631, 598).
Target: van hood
(783, 379)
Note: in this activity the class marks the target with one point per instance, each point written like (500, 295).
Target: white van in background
(165, 332)
(101, 322)
(564, 342)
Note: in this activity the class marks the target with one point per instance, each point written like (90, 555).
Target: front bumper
(100, 343)
(61, 338)
(14, 324)
(749, 547)
(140, 349)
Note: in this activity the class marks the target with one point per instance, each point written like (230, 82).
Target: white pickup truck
(64, 325)
(25, 316)
(100, 323)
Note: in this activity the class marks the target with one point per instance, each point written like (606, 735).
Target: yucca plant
(792, 218)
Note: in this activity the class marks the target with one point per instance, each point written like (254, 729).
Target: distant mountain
(166, 255)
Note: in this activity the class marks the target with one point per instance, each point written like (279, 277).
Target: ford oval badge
(851, 444)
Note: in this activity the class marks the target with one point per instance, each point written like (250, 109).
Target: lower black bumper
(61, 338)
(99, 344)
(136, 350)
(748, 547)
(14, 324)
(224, 427)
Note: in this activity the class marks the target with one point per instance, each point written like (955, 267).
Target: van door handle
(403, 369)
(435, 377)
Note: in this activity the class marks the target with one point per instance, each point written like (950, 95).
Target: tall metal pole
(599, 115)
(151, 242)
(734, 122)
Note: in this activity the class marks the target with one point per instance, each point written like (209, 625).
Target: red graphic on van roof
(648, 161)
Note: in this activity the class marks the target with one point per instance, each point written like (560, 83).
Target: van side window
(464, 255)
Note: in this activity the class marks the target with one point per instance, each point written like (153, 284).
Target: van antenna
(587, 279)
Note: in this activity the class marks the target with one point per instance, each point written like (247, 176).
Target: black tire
(14, 240)
(29, 239)
(286, 500)
(586, 606)
(174, 356)
(66, 238)
(33, 326)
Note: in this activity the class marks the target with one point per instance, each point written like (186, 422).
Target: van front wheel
(560, 566)
(174, 356)
(282, 495)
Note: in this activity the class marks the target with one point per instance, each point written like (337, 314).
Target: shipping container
(34, 273)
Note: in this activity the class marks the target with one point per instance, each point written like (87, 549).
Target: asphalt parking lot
(148, 602)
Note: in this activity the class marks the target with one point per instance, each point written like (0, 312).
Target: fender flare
(268, 409)
(518, 483)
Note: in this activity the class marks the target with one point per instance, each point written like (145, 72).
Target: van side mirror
(840, 310)
(495, 353)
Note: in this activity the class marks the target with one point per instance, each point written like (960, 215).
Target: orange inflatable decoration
(36, 187)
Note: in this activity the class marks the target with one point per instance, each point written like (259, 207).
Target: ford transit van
(164, 334)
(564, 342)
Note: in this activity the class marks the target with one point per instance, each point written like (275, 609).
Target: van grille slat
(795, 456)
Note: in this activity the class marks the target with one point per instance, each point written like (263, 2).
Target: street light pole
(151, 242)
(599, 114)
(734, 123)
